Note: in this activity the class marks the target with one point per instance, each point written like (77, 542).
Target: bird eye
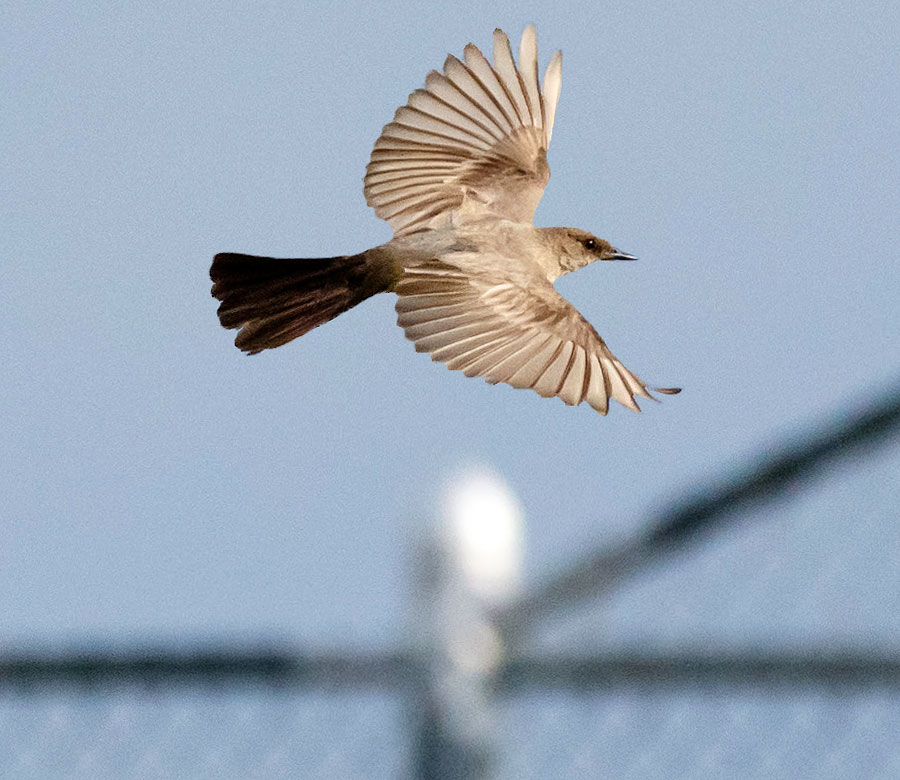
(590, 244)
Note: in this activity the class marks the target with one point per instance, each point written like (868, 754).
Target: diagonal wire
(707, 510)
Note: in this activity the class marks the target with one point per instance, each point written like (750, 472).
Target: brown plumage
(275, 300)
(457, 174)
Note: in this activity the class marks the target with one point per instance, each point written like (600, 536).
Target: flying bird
(458, 175)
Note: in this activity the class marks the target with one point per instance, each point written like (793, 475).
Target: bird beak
(617, 255)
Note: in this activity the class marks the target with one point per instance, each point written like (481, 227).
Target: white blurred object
(483, 534)
(470, 565)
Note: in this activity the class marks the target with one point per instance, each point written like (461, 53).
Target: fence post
(465, 570)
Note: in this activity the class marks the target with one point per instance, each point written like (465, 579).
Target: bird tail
(274, 300)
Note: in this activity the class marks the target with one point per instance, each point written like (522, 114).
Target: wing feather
(551, 378)
(528, 70)
(551, 89)
(468, 82)
(571, 389)
(467, 360)
(523, 334)
(597, 393)
(507, 358)
(431, 105)
(450, 93)
(461, 353)
(509, 78)
(490, 82)
(475, 136)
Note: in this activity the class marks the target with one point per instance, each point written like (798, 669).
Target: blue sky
(157, 482)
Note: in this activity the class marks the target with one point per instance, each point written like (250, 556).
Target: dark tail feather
(274, 300)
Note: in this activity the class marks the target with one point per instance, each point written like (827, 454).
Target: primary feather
(475, 136)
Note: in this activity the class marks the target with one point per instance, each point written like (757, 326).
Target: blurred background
(166, 497)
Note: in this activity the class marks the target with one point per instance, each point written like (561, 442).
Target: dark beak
(622, 256)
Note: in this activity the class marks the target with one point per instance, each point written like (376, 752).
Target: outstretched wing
(476, 135)
(526, 337)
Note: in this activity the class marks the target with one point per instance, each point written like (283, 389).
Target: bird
(457, 175)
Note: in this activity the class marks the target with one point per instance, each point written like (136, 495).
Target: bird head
(578, 248)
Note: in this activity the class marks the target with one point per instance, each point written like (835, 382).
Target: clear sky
(157, 482)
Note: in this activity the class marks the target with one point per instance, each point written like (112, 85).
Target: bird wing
(527, 336)
(476, 135)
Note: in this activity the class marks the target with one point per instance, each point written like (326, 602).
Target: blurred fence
(279, 712)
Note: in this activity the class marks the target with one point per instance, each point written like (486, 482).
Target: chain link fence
(246, 732)
(774, 710)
